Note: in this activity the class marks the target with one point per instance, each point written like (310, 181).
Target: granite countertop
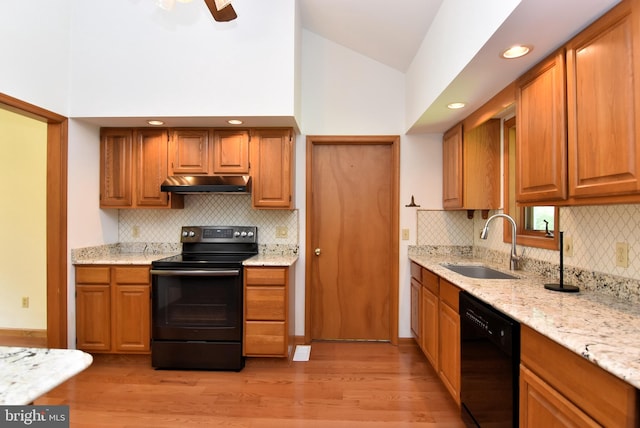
(271, 260)
(601, 328)
(144, 254)
(121, 259)
(28, 373)
(123, 254)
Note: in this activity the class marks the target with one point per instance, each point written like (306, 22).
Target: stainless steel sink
(479, 271)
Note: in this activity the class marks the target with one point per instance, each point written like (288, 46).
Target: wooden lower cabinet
(429, 317)
(449, 336)
(113, 313)
(268, 312)
(543, 406)
(560, 388)
(439, 325)
(416, 296)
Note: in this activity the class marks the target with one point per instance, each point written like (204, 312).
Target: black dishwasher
(489, 363)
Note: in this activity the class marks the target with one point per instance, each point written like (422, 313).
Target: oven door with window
(197, 305)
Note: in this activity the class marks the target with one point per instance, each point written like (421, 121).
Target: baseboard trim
(20, 332)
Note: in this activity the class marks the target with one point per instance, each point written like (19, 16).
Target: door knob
(317, 251)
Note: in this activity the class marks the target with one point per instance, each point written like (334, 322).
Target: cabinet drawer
(265, 276)
(431, 281)
(416, 271)
(92, 275)
(265, 303)
(132, 275)
(449, 293)
(604, 397)
(265, 338)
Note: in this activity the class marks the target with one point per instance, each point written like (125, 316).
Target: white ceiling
(391, 31)
(387, 31)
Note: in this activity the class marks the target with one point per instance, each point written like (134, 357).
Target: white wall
(131, 58)
(420, 177)
(87, 225)
(458, 32)
(34, 44)
(345, 93)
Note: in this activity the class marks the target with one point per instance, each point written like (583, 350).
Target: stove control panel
(222, 234)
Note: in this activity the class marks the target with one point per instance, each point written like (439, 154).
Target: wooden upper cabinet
(190, 152)
(231, 152)
(116, 163)
(133, 165)
(541, 154)
(471, 167)
(272, 168)
(151, 167)
(604, 106)
(452, 168)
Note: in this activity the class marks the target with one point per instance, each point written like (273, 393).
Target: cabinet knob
(317, 251)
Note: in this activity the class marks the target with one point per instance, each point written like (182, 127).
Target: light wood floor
(342, 385)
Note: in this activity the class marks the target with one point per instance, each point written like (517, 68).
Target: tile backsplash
(207, 210)
(595, 230)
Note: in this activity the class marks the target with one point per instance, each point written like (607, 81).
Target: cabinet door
(231, 152)
(452, 179)
(541, 154)
(481, 166)
(131, 318)
(416, 291)
(93, 317)
(151, 167)
(450, 350)
(543, 406)
(131, 310)
(430, 326)
(116, 163)
(189, 152)
(272, 168)
(604, 107)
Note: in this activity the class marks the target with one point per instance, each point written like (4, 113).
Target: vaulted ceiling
(391, 33)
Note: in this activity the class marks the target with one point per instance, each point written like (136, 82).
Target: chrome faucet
(515, 259)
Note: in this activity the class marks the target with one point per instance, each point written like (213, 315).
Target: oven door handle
(230, 272)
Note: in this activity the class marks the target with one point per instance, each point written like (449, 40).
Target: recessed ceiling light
(455, 106)
(155, 122)
(516, 51)
(234, 122)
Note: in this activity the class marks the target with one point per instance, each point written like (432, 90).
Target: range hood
(207, 184)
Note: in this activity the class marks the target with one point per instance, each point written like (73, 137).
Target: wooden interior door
(352, 239)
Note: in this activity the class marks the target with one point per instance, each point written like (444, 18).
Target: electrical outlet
(25, 302)
(622, 254)
(282, 232)
(568, 246)
(405, 234)
(135, 231)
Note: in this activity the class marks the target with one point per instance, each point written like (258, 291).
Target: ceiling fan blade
(223, 15)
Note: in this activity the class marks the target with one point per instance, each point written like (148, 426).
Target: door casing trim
(57, 161)
(394, 142)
